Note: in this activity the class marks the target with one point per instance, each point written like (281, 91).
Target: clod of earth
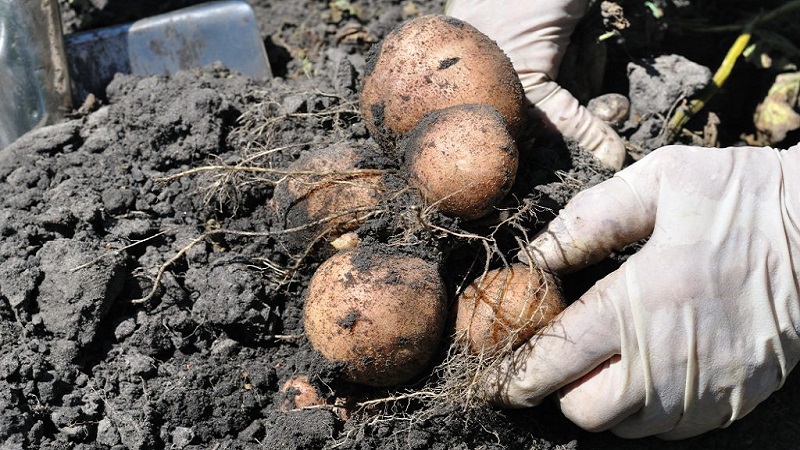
(612, 108)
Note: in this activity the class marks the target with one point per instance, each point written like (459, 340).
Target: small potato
(462, 159)
(327, 192)
(298, 392)
(430, 63)
(612, 108)
(380, 314)
(506, 308)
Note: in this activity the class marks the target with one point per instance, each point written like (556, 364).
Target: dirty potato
(462, 159)
(381, 315)
(505, 308)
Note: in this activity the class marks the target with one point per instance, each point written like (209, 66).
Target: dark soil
(138, 312)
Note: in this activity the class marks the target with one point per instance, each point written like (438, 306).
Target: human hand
(696, 328)
(535, 36)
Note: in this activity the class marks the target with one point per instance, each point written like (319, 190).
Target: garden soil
(151, 293)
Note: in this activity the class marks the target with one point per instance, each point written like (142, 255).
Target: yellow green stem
(685, 112)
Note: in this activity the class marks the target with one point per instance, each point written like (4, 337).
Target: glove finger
(687, 432)
(594, 223)
(583, 336)
(654, 422)
(559, 110)
(603, 397)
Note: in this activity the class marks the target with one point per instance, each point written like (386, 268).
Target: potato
(298, 392)
(462, 159)
(322, 185)
(612, 108)
(430, 63)
(505, 308)
(379, 314)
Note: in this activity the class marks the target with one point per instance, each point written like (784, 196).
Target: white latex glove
(534, 35)
(696, 328)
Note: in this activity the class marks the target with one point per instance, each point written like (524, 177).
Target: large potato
(430, 63)
(380, 314)
(505, 308)
(462, 159)
(327, 193)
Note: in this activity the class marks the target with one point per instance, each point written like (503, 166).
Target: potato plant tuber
(327, 193)
(462, 159)
(505, 308)
(298, 392)
(381, 315)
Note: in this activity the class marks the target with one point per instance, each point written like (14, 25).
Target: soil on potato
(91, 225)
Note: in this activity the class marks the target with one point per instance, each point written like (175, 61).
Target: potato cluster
(444, 103)
(446, 99)
(430, 63)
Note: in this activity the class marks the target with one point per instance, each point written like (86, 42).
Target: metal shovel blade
(34, 83)
(193, 37)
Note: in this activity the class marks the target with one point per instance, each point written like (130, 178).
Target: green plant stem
(685, 112)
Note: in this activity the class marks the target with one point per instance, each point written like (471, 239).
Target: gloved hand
(696, 328)
(534, 35)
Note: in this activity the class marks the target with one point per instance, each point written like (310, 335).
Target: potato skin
(303, 198)
(506, 308)
(462, 159)
(433, 62)
(382, 315)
